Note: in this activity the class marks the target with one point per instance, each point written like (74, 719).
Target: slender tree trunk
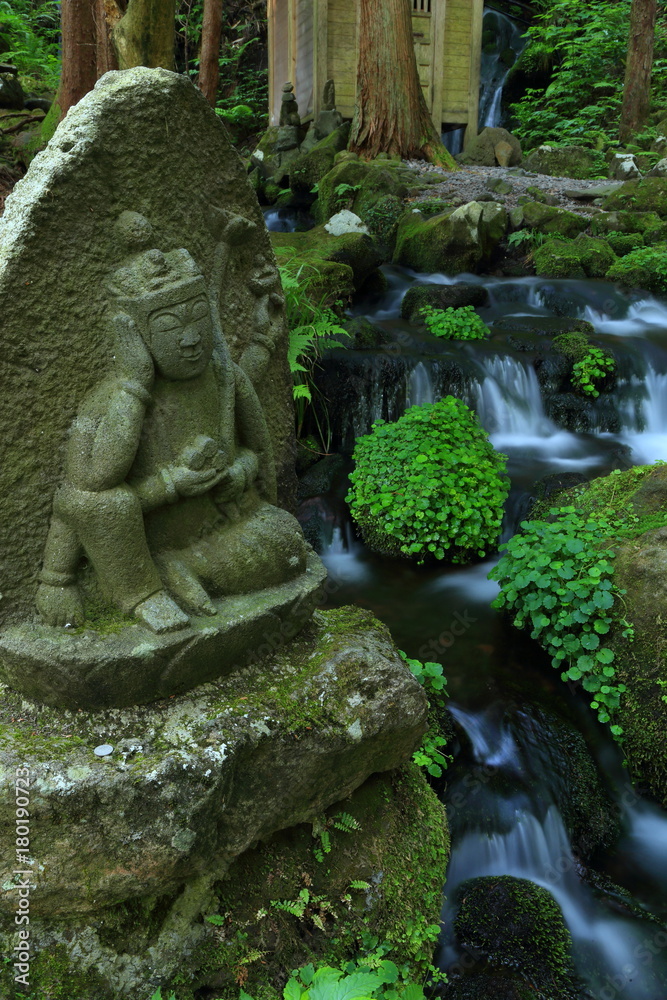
(637, 90)
(107, 14)
(209, 67)
(145, 36)
(390, 114)
(79, 71)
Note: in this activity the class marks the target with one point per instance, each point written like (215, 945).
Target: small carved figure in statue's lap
(169, 478)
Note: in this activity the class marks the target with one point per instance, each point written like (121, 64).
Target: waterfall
(500, 34)
(420, 387)
(521, 833)
(508, 400)
(644, 422)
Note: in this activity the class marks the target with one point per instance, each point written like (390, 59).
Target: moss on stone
(456, 241)
(647, 195)
(319, 251)
(565, 161)
(645, 268)
(54, 977)
(583, 257)
(624, 222)
(625, 243)
(309, 168)
(517, 925)
(550, 220)
(399, 849)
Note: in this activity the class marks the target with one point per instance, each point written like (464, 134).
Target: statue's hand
(194, 482)
(133, 359)
(232, 483)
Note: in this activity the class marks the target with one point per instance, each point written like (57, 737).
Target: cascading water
(502, 42)
(506, 797)
(524, 836)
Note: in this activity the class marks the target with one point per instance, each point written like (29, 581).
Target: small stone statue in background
(169, 487)
(289, 109)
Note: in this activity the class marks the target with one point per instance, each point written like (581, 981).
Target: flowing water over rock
(506, 792)
(502, 42)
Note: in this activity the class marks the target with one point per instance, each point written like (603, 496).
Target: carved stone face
(180, 338)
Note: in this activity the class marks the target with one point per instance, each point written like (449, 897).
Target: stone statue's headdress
(151, 279)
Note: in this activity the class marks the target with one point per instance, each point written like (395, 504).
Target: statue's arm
(105, 435)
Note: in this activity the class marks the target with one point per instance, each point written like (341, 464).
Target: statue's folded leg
(110, 527)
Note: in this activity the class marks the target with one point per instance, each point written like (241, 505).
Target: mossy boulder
(132, 844)
(358, 184)
(638, 500)
(623, 222)
(320, 251)
(550, 220)
(482, 150)
(624, 243)
(516, 925)
(647, 195)
(584, 257)
(441, 297)
(399, 848)
(382, 218)
(463, 239)
(564, 161)
(645, 268)
(309, 168)
(656, 234)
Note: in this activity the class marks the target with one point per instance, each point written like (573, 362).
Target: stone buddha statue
(169, 488)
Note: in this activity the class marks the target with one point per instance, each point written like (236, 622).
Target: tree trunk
(79, 71)
(107, 14)
(637, 89)
(390, 114)
(145, 36)
(209, 67)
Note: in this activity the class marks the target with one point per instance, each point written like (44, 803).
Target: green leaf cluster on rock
(556, 578)
(429, 485)
(455, 324)
(644, 268)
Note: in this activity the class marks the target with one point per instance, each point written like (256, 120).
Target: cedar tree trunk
(146, 35)
(79, 52)
(390, 115)
(637, 90)
(209, 67)
(107, 14)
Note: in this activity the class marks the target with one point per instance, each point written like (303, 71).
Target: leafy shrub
(557, 579)
(29, 38)
(429, 485)
(644, 268)
(356, 982)
(454, 324)
(587, 44)
(593, 368)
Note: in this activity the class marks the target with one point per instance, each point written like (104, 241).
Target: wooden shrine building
(311, 41)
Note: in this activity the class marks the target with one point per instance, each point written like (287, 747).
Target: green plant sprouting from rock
(454, 324)
(556, 578)
(432, 678)
(591, 370)
(429, 485)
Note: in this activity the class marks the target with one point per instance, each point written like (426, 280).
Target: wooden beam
(475, 70)
(320, 52)
(439, 15)
(291, 62)
(271, 29)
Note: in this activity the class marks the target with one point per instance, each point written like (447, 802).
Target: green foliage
(591, 370)
(429, 485)
(530, 237)
(624, 243)
(587, 44)
(357, 981)
(29, 36)
(322, 826)
(313, 329)
(643, 268)
(243, 88)
(432, 678)
(454, 324)
(557, 579)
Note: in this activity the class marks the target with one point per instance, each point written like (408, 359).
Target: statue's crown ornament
(151, 279)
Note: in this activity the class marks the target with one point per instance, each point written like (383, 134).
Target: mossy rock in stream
(441, 297)
(464, 239)
(584, 257)
(308, 169)
(551, 221)
(638, 500)
(332, 266)
(645, 269)
(517, 925)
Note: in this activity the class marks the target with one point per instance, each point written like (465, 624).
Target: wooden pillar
(439, 14)
(271, 41)
(475, 70)
(292, 42)
(320, 52)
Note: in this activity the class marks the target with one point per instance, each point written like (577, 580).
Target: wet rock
(318, 480)
(583, 257)
(441, 297)
(590, 193)
(514, 924)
